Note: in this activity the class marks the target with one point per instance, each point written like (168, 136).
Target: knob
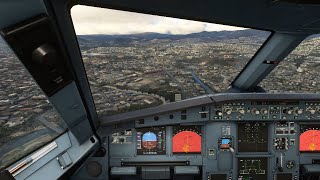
(290, 164)
(228, 110)
(219, 113)
(45, 54)
(264, 111)
(297, 111)
(311, 110)
(255, 111)
(241, 110)
(287, 111)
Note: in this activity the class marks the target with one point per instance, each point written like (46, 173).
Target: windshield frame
(308, 37)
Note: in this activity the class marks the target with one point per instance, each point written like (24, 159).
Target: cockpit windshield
(135, 61)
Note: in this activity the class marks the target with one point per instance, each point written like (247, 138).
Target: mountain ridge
(152, 35)
(127, 39)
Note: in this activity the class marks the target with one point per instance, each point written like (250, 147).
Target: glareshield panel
(299, 72)
(135, 61)
(27, 119)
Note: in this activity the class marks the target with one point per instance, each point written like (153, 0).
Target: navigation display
(310, 138)
(151, 141)
(253, 137)
(186, 139)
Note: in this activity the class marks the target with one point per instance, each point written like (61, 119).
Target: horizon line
(163, 33)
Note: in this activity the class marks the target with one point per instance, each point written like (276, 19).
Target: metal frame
(278, 46)
(60, 11)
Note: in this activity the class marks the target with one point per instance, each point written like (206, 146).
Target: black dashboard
(257, 136)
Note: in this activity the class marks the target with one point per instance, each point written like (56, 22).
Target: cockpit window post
(60, 11)
(270, 55)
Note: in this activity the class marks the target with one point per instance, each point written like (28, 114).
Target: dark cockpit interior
(156, 89)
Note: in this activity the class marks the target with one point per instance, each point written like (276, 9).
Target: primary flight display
(151, 141)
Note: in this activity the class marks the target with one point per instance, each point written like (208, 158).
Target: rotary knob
(255, 111)
(218, 113)
(241, 110)
(228, 111)
(264, 111)
(311, 110)
(287, 111)
(297, 111)
(290, 164)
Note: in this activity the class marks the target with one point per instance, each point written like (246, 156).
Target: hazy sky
(92, 20)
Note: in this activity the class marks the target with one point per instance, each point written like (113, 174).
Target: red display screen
(186, 139)
(310, 139)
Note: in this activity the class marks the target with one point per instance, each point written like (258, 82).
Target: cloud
(93, 20)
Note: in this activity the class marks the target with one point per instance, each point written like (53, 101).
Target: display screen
(252, 168)
(253, 137)
(151, 141)
(225, 143)
(186, 139)
(310, 138)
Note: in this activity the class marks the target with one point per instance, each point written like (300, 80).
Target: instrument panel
(241, 140)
